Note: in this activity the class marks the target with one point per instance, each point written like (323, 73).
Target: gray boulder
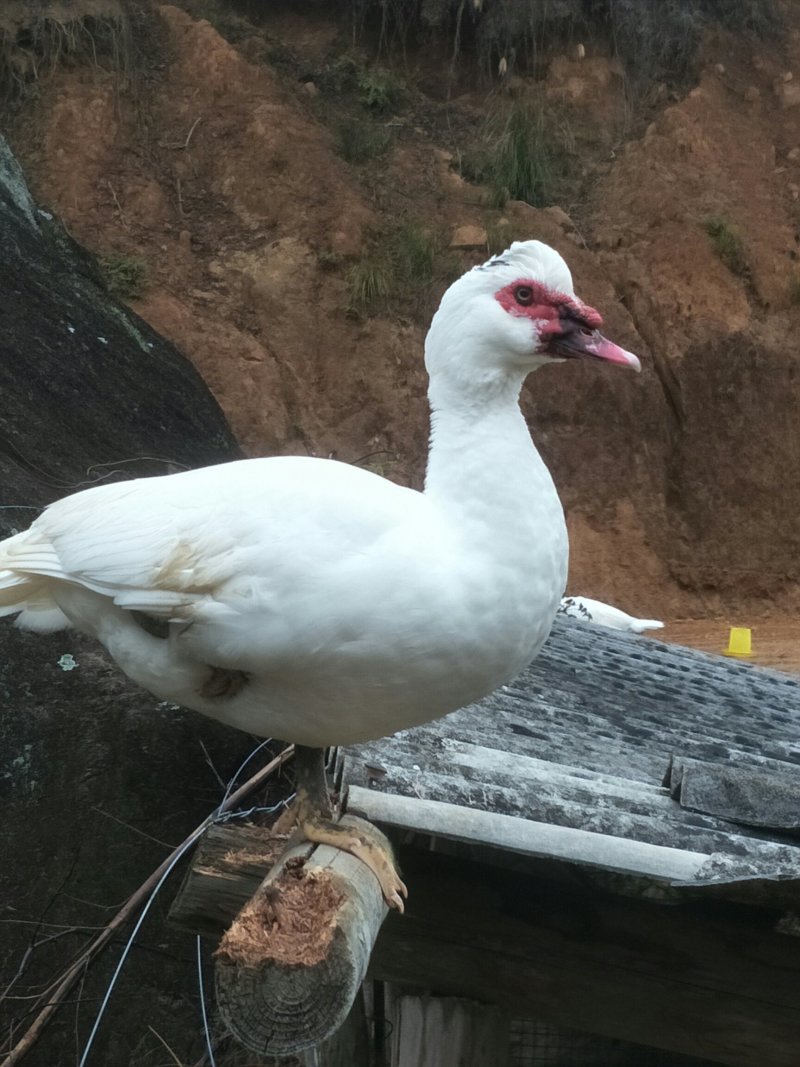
(97, 778)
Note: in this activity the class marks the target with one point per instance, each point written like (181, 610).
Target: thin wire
(200, 983)
(217, 817)
(61, 986)
(242, 766)
(229, 816)
(129, 944)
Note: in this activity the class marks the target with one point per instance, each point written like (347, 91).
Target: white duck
(314, 601)
(585, 609)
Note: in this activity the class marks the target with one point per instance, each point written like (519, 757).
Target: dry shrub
(36, 36)
(656, 40)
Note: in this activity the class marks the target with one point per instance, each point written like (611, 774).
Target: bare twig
(116, 201)
(35, 933)
(133, 829)
(214, 770)
(185, 145)
(52, 998)
(53, 926)
(78, 1002)
(191, 131)
(169, 1049)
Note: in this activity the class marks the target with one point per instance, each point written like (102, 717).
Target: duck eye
(523, 294)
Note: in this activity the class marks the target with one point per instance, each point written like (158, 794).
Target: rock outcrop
(97, 778)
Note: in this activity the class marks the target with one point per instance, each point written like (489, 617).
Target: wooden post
(290, 966)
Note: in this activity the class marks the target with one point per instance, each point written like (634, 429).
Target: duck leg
(312, 816)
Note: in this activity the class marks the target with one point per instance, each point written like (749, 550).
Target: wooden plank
(349, 1046)
(593, 804)
(711, 982)
(530, 838)
(448, 1032)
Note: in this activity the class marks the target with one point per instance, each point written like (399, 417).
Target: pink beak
(582, 343)
(601, 348)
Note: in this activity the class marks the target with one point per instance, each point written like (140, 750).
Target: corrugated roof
(612, 752)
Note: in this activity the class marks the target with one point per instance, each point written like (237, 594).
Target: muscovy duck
(316, 602)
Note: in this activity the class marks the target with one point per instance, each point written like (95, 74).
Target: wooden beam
(712, 980)
(229, 865)
(291, 964)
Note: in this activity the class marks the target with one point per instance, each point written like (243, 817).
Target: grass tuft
(524, 157)
(369, 283)
(412, 252)
(401, 271)
(727, 244)
(379, 90)
(359, 141)
(127, 277)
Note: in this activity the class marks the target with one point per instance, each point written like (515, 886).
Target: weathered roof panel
(612, 751)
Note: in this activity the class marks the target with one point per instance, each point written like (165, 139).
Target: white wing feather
(160, 545)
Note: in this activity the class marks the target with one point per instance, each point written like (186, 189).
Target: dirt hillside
(224, 165)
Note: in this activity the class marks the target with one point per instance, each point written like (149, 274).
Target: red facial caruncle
(532, 300)
(566, 328)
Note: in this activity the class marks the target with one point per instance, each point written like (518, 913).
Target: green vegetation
(353, 100)
(523, 163)
(223, 17)
(369, 283)
(524, 156)
(374, 88)
(359, 140)
(126, 277)
(401, 269)
(412, 252)
(660, 41)
(728, 244)
(379, 90)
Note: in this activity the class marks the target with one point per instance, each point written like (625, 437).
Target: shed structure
(608, 845)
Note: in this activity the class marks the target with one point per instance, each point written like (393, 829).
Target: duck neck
(481, 449)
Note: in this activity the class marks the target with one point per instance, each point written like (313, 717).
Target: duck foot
(310, 818)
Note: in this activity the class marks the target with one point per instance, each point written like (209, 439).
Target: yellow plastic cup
(739, 642)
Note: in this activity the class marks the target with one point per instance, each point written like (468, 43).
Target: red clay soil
(681, 486)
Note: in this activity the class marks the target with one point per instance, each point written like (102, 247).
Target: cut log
(290, 966)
